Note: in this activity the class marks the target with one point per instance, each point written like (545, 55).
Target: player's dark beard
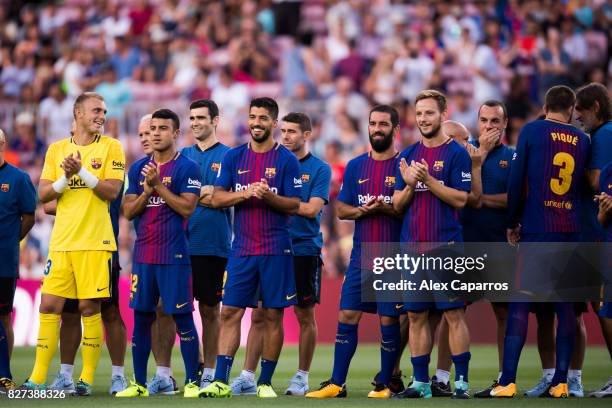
(263, 137)
(432, 133)
(380, 145)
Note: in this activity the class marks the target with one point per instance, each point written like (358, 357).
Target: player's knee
(209, 314)
(388, 320)
(454, 317)
(349, 316)
(305, 316)
(417, 319)
(112, 316)
(230, 314)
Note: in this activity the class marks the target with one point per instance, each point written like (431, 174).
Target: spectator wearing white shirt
(55, 115)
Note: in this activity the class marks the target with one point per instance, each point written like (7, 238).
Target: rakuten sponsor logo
(240, 187)
(364, 199)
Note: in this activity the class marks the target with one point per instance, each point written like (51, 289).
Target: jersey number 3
(566, 164)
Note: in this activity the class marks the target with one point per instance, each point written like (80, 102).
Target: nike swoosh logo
(181, 305)
(361, 181)
(399, 306)
(496, 391)
(243, 171)
(89, 338)
(100, 290)
(187, 332)
(290, 297)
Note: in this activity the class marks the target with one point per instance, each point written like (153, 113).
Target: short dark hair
(387, 109)
(213, 109)
(167, 114)
(301, 119)
(587, 95)
(267, 103)
(492, 103)
(432, 94)
(559, 99)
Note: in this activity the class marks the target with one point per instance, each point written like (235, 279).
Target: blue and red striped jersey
(547, 169)
(161, 236)
(258, 228)
(427, 217)
(365, 179)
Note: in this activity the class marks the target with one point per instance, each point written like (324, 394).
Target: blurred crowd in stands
(330, 59)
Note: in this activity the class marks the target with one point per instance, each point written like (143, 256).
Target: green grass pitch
(483, 368)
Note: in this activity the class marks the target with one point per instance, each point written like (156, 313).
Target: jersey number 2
(566, 164)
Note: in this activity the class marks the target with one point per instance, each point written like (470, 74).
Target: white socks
(442, 376)
(303, 374)
(66, 369)
(577, 374)
(164, 372)
(118, 371)
(248, 375)
(208, 373)
(548, 373)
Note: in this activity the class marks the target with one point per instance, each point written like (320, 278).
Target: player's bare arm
(27, 222)
(288, 205)
(401, 198)
(499, 201)
(50, 208)
(46, 192)
(184, 204)
(592, 176)
(133, 205)
(604, 215)
(449, 195)
(311, 208)
(222, 198)
(349, 212)
(206, 193)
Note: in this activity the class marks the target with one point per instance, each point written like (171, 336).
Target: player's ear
(307, 134)
(215, 121)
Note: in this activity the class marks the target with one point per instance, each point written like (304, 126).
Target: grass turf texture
(483, 369)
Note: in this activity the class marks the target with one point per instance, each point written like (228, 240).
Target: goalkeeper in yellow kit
(84, 173)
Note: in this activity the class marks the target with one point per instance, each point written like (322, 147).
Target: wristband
(89, 179)
(60, 184)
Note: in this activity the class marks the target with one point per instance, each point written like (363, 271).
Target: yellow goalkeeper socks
(46, 346)
(91, 346)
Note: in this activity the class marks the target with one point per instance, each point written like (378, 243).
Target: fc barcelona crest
(270, 172)
(503, 164)
(5, 187)
(438, 165)
(305, 178)
(215, 167)
(390, 181)
(96, 163)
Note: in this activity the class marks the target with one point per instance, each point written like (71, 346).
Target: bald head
(456, 130)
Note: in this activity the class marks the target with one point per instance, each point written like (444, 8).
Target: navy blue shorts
(170, 282)
(351, 297)
(269, 278)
